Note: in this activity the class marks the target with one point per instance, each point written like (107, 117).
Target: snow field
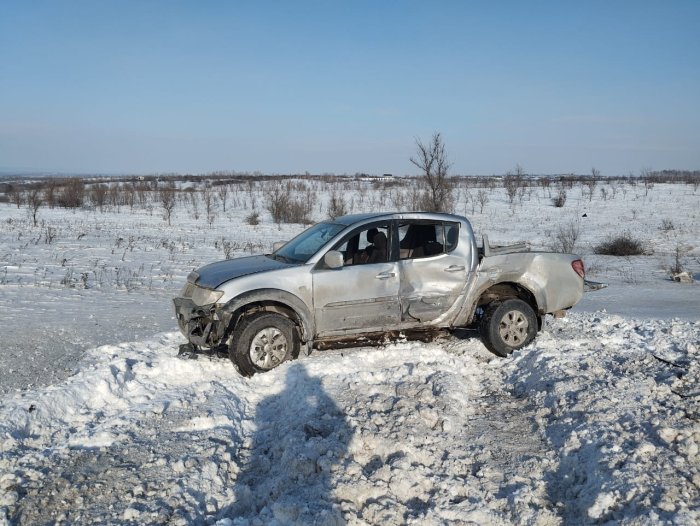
(596, 421)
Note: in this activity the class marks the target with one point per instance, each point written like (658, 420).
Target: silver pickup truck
(373, 274)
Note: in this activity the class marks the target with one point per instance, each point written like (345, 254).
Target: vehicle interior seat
(379, 253)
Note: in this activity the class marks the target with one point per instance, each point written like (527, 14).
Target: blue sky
(347, 86)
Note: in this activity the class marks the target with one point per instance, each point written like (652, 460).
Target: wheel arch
(270, 300)
(498, 292)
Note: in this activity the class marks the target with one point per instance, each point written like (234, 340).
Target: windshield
(301, 248)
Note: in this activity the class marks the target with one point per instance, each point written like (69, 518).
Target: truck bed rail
(489, 250)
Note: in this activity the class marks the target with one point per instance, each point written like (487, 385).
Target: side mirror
(277, 245)
(333, 259)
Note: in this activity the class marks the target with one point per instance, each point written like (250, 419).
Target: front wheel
(262, 342)
(508, 326)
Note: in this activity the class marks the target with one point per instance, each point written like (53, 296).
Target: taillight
(577, 265)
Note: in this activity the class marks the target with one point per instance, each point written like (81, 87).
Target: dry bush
(167, 201)
(620, 245)
(253, 218)
(287, 209)
(560, 200)
(511, 183)
(72, 194)
(336, 206)
(667, 225)
(566, 237)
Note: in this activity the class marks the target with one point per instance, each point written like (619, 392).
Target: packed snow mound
(596, 421)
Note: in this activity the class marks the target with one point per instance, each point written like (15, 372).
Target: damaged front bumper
(202, 325)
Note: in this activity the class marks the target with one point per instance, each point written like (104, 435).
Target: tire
(508, 326)
(262, 342)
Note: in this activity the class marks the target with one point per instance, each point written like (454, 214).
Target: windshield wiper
(279, 257)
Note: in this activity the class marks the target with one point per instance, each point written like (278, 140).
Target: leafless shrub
(167, 201)
(50, 189)
(98, 195)
(511, 183)
(667, 225)
(483, 197)
(49, 234)
(227, 247)
(431, 160)
(209, 200)
(130, 195)
(194, 203)
(72, 193)
(15, 194)
(648, 180)
(620, 245)
(566, 236)
(560, 200)
(34, 201)
(222, 192)
(679, 254)
(290, 209)
(253, 218)
(336, 205)
(591, 182)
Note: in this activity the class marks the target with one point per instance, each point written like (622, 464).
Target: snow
(100, 422)
(595, 421)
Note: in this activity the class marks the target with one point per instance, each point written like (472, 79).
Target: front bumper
(202, 325)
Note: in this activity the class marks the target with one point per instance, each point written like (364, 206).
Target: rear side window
(451, 236)
(421, 239)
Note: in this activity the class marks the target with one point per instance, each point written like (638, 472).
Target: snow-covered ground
(596, 421)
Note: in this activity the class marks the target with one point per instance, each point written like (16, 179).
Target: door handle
(454, 268)
(385, 275)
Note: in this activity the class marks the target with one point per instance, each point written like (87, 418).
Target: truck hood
(214, 274)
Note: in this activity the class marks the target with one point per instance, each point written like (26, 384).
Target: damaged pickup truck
(368, 275)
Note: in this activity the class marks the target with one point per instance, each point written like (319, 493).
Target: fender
(272, 296)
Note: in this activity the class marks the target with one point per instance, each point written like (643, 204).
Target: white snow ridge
(596, 422)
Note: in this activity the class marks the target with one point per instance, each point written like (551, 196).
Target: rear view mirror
(277, 245)
(333, 259)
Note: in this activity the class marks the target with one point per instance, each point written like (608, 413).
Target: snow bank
(596, 421)
(618, 401)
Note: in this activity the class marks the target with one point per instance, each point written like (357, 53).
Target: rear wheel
(262, 342)
(508, 326)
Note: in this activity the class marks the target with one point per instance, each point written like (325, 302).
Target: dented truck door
(434, 269)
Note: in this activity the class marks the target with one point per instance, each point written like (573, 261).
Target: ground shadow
(301, 436)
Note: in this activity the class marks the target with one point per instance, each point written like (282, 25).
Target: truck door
(363, 295)
(432, 271)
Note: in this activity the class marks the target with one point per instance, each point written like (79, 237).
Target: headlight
(187, 290)
(202, 296)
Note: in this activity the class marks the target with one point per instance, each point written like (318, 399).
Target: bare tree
(222, 190)
(432, 161)
(15, 195)
(592, 181)
(483, 198)
(512, 182)
(34, 201)
(167, 201)
(72, 193)
(98, 195)
(209, 203)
